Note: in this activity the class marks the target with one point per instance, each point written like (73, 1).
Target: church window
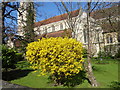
(53, 28)
(109, 39)
(61, 26)
(85, 36)
(45, 29)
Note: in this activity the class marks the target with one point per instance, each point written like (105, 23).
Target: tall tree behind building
(30, 18)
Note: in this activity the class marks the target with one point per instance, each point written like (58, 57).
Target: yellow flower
(56, 55)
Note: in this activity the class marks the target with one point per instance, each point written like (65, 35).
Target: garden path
(6, 84)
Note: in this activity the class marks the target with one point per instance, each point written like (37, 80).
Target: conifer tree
(30, 17)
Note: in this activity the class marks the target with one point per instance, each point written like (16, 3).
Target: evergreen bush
(9, 57)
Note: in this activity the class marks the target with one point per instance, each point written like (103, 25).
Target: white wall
(79, 25)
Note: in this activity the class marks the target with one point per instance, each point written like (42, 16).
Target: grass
(104, 73)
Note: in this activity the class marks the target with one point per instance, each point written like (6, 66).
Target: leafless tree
(10, 13)
(72, 25)
(92, 7)
(91, 27)
(71, 20)
(89, 66)
(7, 9)
(106, 16)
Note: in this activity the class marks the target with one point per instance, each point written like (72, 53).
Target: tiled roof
(98, 14)
(56, 18)
(60, 33)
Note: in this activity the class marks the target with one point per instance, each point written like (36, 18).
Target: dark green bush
(117, 55)
(19, 56)
(115, 84)
(102, 62)
(104, 55)
(23, 65)
(70, 81)
(9, 57)
(96, 68)
(84, 53)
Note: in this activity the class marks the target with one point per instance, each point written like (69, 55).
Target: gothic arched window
(61, 26)
(45, 29)
(53, 28)
(85, 35)
(109, 38)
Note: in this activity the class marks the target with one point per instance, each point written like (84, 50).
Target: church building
(58, 26)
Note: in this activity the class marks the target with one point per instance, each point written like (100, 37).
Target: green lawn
(104, 73)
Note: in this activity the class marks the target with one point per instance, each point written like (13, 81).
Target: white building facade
(79, 29)
(61, 22)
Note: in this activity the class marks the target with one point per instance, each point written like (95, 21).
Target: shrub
(115, 85)
(23, 65)
(105, 55)
(9, 57)
(19, 56)
(59, 57)
(117, 55)
(84, 53)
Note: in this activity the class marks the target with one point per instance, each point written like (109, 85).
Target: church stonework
(59, 23)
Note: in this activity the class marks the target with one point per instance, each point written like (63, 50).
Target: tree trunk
(89, 66)
(90, 75)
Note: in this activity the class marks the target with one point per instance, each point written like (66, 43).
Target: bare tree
(72, 25)
(91, 8)
(89, 66)
(14, 10)
(71, 19)
(106, 16)
(7, 14)
(91, 26)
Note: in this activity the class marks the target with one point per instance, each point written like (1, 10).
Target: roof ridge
(56, 18)
(57, 15)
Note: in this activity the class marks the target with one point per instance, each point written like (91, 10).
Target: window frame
(61, 26)
(109, 38)
(53, 28)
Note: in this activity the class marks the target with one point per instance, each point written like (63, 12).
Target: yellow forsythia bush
(56, 56)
